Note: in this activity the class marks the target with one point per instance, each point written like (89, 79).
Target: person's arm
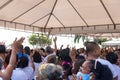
(55, 45)
(73, 54)
(6, 75)
(61, 47)
(31, 59)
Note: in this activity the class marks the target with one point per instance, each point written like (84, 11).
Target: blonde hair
(49, 71)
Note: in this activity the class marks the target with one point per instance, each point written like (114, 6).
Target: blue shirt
(22, 54)
(84, 76)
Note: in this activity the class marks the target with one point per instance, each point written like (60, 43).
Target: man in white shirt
(112, 58)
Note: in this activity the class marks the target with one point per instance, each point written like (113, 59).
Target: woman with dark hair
(37, 59)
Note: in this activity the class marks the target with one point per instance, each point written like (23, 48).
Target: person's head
(2, 49)
(92, 48)
(80, 57)
(91, 66)
(86, 67)
(52, 59)
(64, 55)
(22, 62)
(42, 49)
(49, 71)
(37, 57)
(82, 50)
(27, 50)
(112, 57)
(48, 50)
(42, 53)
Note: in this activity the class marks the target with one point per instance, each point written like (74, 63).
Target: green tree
(100, 40)
(85, 39)
(44, 40)
(33, 40)
(78, 37)
(41, 40)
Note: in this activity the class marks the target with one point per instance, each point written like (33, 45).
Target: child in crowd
(85, 72)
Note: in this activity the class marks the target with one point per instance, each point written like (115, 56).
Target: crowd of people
(91, 63)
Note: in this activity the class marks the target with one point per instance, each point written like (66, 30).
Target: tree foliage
(40, 40)
(78, 37)
(33, 40)
(100, 40)
(44, 40)
(86, 39)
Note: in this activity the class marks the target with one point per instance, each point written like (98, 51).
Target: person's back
(106, 73)
(108, 64)
(22, 67)
(102, 72)
(19, 74)
(37, 59)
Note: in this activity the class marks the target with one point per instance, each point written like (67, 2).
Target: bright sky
(8, 36)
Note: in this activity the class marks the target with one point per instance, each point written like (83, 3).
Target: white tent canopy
(61, 16)
(104, 35)
(112, 43)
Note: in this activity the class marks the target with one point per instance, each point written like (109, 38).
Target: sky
(8, 36)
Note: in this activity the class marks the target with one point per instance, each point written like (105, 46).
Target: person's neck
(91, 57)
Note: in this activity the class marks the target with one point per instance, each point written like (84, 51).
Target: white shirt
(36, 68)
(18, 74)
(117, 69)
(105, 62)
(28, 71)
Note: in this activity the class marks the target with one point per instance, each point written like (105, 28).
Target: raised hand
(18, 42)
(8, 71)
(55, 39)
